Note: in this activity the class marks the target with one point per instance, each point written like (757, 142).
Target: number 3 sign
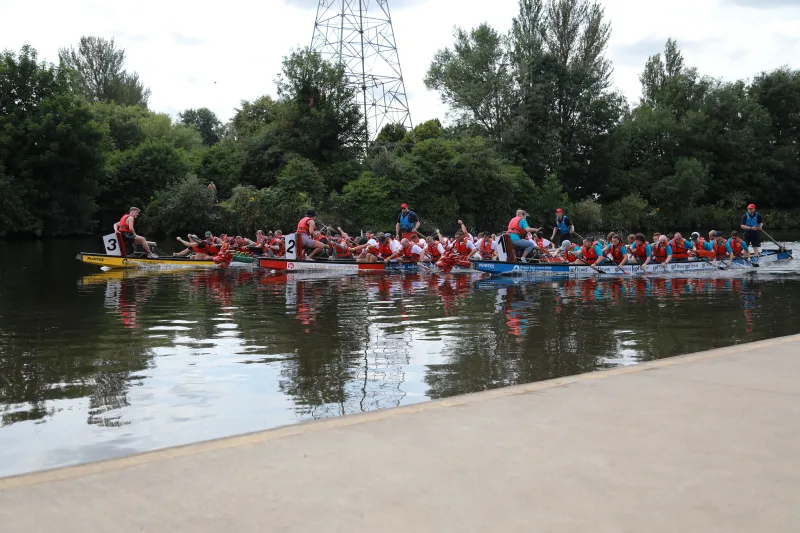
(112, 245)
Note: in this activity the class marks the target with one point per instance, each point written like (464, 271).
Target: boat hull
(286, 265)
(112, 261)
(567, 270)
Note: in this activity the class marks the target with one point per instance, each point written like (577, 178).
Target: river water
(98, 365)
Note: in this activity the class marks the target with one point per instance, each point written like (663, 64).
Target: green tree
(137, 174)
(97, 66)
(205, 121)
(182, 206)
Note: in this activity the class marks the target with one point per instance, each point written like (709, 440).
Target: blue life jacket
(751, 221)
(563, 228)
(405, 224)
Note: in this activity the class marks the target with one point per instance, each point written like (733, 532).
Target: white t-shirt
(371, 243)
(416, 250)
(545, 243)
(479, 245)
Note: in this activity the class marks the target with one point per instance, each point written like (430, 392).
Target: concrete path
(702, 443)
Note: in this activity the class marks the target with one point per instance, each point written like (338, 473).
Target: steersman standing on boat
(407, 223)
(125, 227)
(752, 223)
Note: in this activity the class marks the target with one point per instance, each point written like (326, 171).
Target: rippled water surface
(96, 365)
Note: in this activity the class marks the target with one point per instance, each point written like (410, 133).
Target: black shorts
(752, 238)
(561, 237)
(128, 237)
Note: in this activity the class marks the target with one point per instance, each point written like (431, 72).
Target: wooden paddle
(781, 248)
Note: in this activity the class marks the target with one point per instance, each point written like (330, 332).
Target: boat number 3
(112, 245)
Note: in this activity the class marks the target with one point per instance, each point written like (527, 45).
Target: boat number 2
(290, 248)
(111, 245)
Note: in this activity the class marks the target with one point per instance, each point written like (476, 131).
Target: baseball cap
(559, 210)
(751, 206)
(719, 234)
(565, 245)
(387, 235)
(695, 235)
(209, 234)
(403, 206)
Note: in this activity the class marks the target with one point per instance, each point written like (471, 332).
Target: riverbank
(705, 442)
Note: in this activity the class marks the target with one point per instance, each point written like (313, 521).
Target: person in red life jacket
(486, 247)
(196, 248)
(640, 251)
(389, 250)
(720, 247)
(125, 227)
(566, 251)
(411, 252)
(305, 229)
(462, 247)
(543, 244)
(407, 223)
(261, 238)
(519, 230)
(680, 248)
(703, 249)
(341, 246)
(276, 247)
(616, 251)
(239, 244)
(367, 252)
(736, 247)
(662, 251)
(591, 253)
(434, 250)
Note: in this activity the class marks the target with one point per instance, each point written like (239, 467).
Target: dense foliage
(534, 123)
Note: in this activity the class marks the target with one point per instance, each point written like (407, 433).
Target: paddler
(680, 248)
(640, 252)
(388, 249)
(341, 245)
(462, 246)
(519, 230)
(662, 251)
(485, 248)
(615, 251)
(368, 252)
(736, 247)
(125, 227)
(434, 250)
(201, 250)
(563, 229)
(277, 246)
(410, 251)
(591, 253)
(407, 222)
(752, 224)
(306, 228)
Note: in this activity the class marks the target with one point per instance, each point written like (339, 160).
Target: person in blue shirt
(563, 229)
(407, 223)
(591, 253)
(752, 223)
(520, 232)
(640, 251)
(616, 251)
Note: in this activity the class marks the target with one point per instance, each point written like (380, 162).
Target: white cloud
(194, 54)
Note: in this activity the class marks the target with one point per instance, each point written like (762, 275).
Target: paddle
(781, 248)
(705, 260)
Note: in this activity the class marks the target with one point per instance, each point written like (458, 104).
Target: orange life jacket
(302, 226)
(343, 248)
(616, 252)
(409, 256)
(460, 248)
(660, 251)
(281, 247)
(720, 252)
(433, 251)
(571, 257)
(514, 227)
(679, 250)
(385, 249)
(123, 224)
(639, 251)
(736, 247)
(486, 249)
(589, 253)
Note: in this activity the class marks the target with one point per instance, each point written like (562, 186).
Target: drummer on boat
(520, 232)
(305, 229)
(125, 227)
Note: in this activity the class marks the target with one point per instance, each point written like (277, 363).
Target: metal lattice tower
(358, 34)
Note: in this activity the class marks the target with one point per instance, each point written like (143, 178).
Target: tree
(205, 121)
(391, 134)
(98, 73)
(137, 174)
(475, 79)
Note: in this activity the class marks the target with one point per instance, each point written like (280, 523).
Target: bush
(186, 205)
(588, 214)
(631, 213)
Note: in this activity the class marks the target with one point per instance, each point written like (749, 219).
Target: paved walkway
(702, 443)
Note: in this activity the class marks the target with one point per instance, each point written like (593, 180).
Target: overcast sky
(214, 54)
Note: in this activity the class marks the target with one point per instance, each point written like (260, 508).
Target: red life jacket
(514, 227)
(679, 250)
(639, 251)
(590, 254)
(123, 224)
(281, 247)
(385, 249)
(343, 248)
(200, 247)
(486, 249)
(660, 251)
(616, 252)
(736, 247)
(433, 251)
(571, 257)
(213, 249)
(698, 245)
(409, 256)
(719, 250)
(460, 248)
(302, 226)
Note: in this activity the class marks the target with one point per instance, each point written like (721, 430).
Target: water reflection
(130, 361)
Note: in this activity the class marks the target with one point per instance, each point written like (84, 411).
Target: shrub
(186, 205)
